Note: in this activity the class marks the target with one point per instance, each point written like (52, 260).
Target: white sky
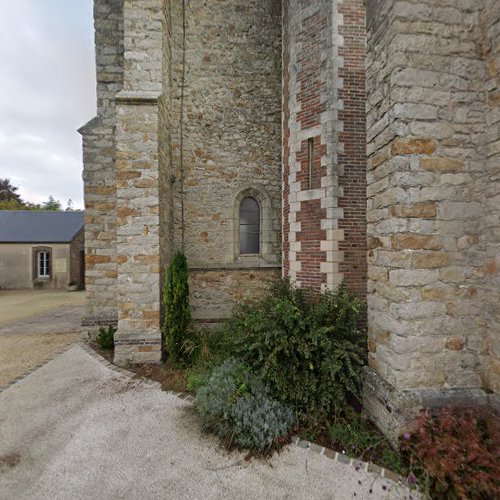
(47, 92)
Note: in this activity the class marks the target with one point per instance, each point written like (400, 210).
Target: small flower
(407, 436)
(412, 478)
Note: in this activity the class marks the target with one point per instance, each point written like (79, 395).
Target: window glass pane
(249, 217)
(250, 229)
(40, 264)
(249, 204)
(249, 226)
(43, 263)
(249, 243)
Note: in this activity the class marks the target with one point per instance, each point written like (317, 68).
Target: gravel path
(76, 429)
(34, 327)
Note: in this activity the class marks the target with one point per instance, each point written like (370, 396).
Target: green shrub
(235, 405)
(106, 337)
(196, 380)
(310, 355)
(260, 421)
(177, 310)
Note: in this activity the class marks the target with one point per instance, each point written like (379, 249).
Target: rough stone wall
(427, 201)
(165, 177)
(214, 291)
(98, 168)
(230, 143)
(323, 144)
(489, 188)
(137, 172)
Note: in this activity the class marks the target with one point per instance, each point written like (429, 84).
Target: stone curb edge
(354, 462)
(36, 367)
(301, 443)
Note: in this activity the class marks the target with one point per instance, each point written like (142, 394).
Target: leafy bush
(106, 337)
(310, 355)
(459, 451)
(196, 380)
(177, 310)
(235, 405)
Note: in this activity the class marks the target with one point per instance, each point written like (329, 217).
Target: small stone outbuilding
(41, 250)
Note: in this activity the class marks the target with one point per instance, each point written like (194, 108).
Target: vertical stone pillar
(488, 189)
(324, 144)
(426, 216)
(99, 170)
(138, 234)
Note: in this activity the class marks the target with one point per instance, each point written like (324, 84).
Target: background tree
(11, 200)
(51, 205)
(8, 192)
(11, 205)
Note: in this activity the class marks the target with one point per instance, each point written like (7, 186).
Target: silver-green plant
(235, 405)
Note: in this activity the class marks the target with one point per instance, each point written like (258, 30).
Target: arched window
(249, 226)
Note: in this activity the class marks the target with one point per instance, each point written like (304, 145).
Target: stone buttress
(433, 206)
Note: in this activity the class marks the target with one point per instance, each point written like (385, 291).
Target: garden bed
(288, 365)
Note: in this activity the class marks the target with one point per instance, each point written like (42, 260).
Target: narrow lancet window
(249, 227)
(310, 161)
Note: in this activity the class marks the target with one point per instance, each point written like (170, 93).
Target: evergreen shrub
(106, 337)
(236, 406)
(177, 309)
(310, 355)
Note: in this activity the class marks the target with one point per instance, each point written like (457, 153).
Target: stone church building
(325, 140)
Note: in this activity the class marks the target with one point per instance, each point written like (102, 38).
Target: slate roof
(20, 226)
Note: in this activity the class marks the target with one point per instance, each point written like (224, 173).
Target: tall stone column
(489, 192)
(98, 138)
(430, 316)
(138, 234)
(324, 160)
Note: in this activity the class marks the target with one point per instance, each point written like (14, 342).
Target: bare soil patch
(170, 377)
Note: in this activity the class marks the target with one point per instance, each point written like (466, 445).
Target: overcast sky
(47, 92)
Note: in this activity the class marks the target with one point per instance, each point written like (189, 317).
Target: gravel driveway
(34, 327)
(76, 429)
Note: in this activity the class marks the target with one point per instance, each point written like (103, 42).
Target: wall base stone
(394, 410)
(137, 351)
(99, 321)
